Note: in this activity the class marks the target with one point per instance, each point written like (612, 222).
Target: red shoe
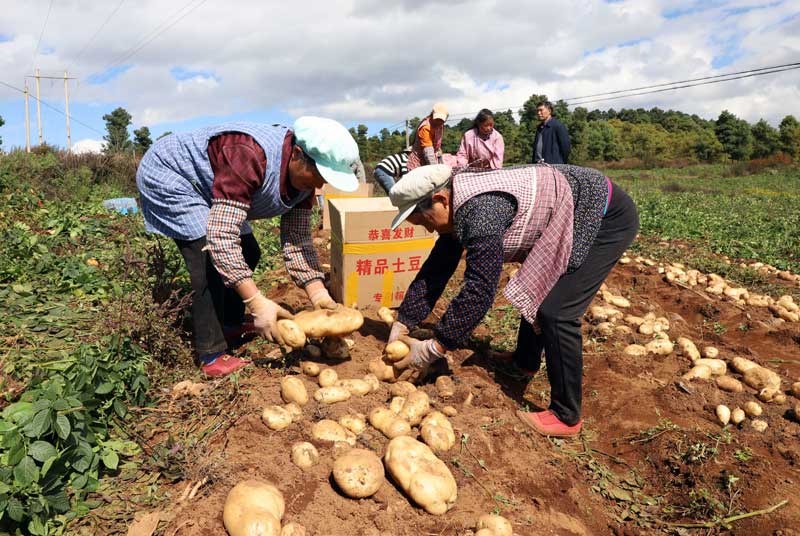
(547, 424)
(223, 365)
(507, 358)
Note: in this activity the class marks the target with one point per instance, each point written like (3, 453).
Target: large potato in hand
(252, 508)
(326, 322)
(359, 473)
(423, 476)
(291, 333)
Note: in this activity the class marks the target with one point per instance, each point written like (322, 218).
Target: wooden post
(66, 99)
(38, 108)
(27, 120)
(406, 133)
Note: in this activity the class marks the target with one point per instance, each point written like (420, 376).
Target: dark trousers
(213, 305)
(559, 316)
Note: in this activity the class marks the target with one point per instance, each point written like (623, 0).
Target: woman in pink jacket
(482, 146)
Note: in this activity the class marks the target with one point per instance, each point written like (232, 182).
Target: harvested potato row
(253, 507)
(421, 475)
(358, 473)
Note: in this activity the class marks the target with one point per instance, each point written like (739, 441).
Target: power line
(96, 33)
(72, 117)
(157, 31)
(41, 34)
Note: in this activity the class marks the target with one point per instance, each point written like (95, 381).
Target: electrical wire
(71, 117)
(96, 33)
(41, 34)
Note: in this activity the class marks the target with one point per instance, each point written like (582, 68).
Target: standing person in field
(201, 188)
(551, 143)
(391, 169)
(567, 225)
(427, 148)
(482, 146)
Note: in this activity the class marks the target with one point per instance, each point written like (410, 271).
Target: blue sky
(353, 59)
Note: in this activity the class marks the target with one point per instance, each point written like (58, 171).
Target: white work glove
(398, 330)
(265, 316)
(320, 297)
(420, 356)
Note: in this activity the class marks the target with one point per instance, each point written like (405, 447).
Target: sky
(180, 64)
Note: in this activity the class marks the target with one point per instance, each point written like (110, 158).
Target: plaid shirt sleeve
(430, 282)
(225, 221)
(299, 254)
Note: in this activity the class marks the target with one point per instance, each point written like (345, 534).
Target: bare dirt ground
(652, 455)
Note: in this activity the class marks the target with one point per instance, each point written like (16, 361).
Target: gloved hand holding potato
(420, 356)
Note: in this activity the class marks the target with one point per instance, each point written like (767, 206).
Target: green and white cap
(331, 147)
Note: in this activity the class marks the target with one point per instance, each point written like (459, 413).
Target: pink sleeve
(500, 149)
(462, 158)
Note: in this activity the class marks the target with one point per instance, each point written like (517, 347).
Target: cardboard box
(371, 265)
(329, 192)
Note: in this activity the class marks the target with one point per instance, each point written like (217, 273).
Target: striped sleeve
(225, 220)
(299, 254)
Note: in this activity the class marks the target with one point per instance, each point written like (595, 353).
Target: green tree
(142, 140)
(790, 136)
(1, 124)
(735, 136)
(766, 140)
(707, 147)
(117, 123)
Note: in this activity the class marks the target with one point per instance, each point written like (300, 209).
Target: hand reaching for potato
(319, 296)
(398, 330)
(420, 356)
(265, 316)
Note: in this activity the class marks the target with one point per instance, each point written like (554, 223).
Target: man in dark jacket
(551, 143)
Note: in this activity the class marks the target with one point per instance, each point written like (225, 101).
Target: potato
(752, 409)
(395, 351)
(402, 389)
(416, 407)
(312, 351)
(797, 413)
(604, 329)
(445, 387)
(326, 322)
(787, 302)
(780, 398)
(355, 386)
(372, 381)
(381, 370)
(331, 431)
(758, 300)
(760, 377)
(354, 423)
(188, 388)
(450, 411)
(737, 293)
(484, 532)
(622, 331)
(359, 473)
(304, 455)
(419, 473)
(698, 372)
(327, 377)
(335, 348)
(276, 417)
(661, 324)
(389, 424)
(634, 320)
(737, 416)
(759, 425)
(785, 314)
(294, 410)
(294, 390)
(717, 366)
(635, 350)
(742, 365)
(687, 347)
(767, 394)
(292, 333)
(619, 301)
(648, 328)
(796, 389)
(332, 394)
(253, 507)
(309, 368)
(293, 529)
(727, 383)
(710, 352)
(498, 525)
(723, 414)
(437, 432)
(397, 404)
(660, 347)
(386, 314)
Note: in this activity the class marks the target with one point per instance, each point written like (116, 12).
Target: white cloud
(89, 146)
(361, 60)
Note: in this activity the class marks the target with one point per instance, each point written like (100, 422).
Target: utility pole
(406, 132)
(27, 120)
(38, 107)
(66, 99)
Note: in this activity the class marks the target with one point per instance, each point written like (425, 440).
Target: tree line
(653, 137)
